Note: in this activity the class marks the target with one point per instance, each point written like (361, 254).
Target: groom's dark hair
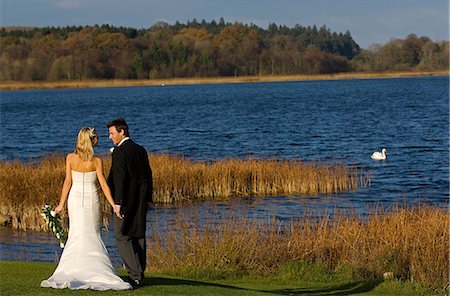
(120, 124)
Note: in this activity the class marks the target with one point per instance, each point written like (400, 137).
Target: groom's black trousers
(132, 251)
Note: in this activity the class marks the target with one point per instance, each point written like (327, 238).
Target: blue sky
(369, 21)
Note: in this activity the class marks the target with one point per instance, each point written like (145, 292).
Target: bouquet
(53, 222)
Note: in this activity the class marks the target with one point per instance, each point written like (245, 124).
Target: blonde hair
(86, 141)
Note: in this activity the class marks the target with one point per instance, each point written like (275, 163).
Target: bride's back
(79, 165)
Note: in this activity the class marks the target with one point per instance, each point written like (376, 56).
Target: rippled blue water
(312, 120)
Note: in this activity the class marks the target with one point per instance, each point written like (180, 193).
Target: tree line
(202, 49)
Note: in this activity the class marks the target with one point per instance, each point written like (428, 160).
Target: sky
(369, 21)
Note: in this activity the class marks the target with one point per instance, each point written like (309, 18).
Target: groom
(130, 180)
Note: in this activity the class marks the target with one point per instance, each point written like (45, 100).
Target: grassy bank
(26, 187)
(16, 85)
(409, 244)
(23, 278)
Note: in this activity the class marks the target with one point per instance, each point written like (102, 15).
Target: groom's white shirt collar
(123, 140)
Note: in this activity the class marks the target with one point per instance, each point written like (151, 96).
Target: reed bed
(16, 85)
(408, 243)
(26, 187)
(177, 179)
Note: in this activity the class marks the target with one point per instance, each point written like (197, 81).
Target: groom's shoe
(135, 283)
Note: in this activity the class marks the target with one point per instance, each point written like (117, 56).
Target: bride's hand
(116, 209)
(58, 209)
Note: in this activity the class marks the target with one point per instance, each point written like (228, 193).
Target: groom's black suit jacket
(130, 181)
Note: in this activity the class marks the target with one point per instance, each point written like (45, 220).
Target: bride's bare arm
(66, 186)
(104, 185)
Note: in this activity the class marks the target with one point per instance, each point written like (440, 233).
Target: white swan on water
(377, 155)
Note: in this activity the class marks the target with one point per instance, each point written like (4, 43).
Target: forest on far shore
(203, 49)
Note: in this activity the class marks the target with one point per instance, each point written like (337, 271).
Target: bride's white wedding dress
(85, 263)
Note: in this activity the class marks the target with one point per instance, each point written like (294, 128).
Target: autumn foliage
(201, 50)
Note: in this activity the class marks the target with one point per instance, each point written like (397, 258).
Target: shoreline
(29, 85)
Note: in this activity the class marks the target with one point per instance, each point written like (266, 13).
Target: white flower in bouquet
(53, 223)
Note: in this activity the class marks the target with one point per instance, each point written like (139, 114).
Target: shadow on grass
(345, 289)
(159, 281)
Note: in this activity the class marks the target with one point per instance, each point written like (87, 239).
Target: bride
(84, 262)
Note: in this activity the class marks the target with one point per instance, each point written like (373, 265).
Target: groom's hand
(117, 211)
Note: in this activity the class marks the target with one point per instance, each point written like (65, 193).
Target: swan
(377, 155)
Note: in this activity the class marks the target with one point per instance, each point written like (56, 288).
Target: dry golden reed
(177, 179)
(15, 85)
(26, 187)
(411, 243)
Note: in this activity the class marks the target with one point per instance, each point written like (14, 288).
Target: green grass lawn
(23, 278)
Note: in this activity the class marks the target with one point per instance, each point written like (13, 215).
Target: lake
(343, 120)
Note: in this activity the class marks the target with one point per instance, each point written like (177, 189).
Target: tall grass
(26, 187)
(177, 179)
(411, 243)
(15, 85)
